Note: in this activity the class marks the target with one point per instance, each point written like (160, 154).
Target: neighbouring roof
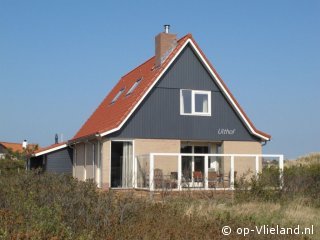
(49, 149)
(110, 117)
(16, 147)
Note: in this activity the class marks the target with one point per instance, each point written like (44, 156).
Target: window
(117, 96)
(134, 86)
(193, 102)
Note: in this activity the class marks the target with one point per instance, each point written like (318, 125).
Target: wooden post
(281, 170)
(135, 172)
(257, 165)
(151, 172)
(232, 173)
(179, 171)
(206, 172)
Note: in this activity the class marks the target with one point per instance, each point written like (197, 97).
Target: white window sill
(196, 114)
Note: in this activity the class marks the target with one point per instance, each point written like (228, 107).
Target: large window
(194, 102)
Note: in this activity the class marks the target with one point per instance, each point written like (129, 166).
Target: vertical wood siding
(60, 161)
(159, 114)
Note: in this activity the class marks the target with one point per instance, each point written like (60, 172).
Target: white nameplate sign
(226, 131)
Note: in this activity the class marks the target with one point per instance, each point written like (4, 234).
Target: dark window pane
(201, 103)
(201, 149)
(186, 149)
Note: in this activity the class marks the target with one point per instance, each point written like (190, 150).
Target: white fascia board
(146, 93)
(226, 92)
(50, 150)
(213, 75)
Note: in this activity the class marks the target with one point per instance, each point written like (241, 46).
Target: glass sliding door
(198, 160)
(127, 165)
(193, 166)
(186, 163)
(121, 164)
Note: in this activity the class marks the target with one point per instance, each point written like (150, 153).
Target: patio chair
(198, 179)
(158, 178)
(173, 179)
(212, 179)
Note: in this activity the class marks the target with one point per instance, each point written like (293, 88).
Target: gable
(109, 118)
(159, 114)
(188, 72)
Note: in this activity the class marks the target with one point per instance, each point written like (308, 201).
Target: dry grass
(46, 206)
(313, 158)
(261, 213)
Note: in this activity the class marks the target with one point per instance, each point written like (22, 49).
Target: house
(56, 158)
(17, 148)
(172, 118)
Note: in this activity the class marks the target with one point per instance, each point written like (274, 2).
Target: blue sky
(58, 60)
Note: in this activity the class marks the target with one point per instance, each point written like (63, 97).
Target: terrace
(186, 171)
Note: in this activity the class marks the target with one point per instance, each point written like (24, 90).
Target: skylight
(117, 96)
(134, 86)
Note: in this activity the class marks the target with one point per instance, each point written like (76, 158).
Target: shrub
(299, 181)
(50, 206)
(11, 165)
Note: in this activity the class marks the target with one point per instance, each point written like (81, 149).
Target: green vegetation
(8, 165)
(48, 206)
(14, 161)
(299, 181)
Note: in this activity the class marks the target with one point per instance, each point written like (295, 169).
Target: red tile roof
(16, 147)
(109, 116)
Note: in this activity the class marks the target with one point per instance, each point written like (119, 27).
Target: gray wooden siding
(59, 161)
(159, 114)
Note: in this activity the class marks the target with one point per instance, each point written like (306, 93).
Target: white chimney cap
(24, 144)
(166, 28)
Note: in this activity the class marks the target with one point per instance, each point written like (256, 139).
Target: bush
(299, 181)
(8, 165)
(49, 206)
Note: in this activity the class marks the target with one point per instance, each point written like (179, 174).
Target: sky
(59, 59)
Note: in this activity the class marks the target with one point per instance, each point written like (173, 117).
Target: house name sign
(226, 131)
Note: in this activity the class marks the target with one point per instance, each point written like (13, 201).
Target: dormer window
(195, 102)
(134, 86)
(117, 96)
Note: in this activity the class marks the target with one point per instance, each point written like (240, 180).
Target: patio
(184, 171)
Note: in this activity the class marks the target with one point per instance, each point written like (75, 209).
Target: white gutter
(50, 150)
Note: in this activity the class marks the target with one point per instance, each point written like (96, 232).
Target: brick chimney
(165, 43)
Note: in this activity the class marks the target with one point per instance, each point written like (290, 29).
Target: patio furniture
(197, 176)
(158, 178)
(197, 179)
(213, 179)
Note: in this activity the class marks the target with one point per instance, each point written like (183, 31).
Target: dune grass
(48, 206)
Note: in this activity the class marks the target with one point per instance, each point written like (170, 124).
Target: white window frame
(193, 112)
